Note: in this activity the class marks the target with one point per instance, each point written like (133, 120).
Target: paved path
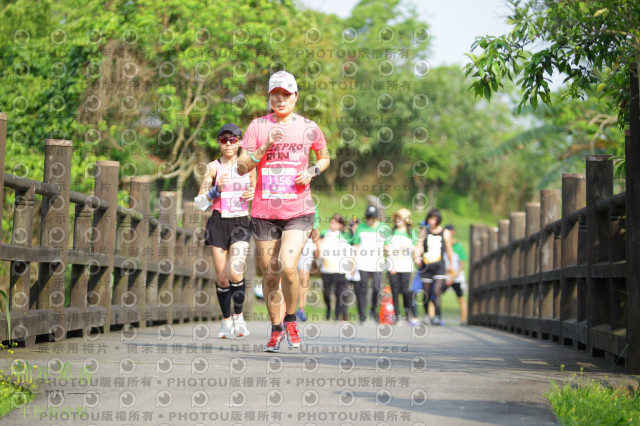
(344, 375)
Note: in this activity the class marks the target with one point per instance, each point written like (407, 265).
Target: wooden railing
(568, 268)
(103, 266)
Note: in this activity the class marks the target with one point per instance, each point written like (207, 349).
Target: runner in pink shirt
(278, 146)
(228, 229)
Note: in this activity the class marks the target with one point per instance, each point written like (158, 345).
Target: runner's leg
(394, 282)
(268, 261)
(375, 287)
(341, 286)
(327, 283)
(361, 294)
(222, 286)
(304, 277)
(237, 260)
(404, 278)
(438, 285)
(291, 246)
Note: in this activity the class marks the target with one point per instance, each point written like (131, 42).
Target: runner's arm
(448, 246)
(419, 247)
(209, 178)
(249, 160)
(323, 159)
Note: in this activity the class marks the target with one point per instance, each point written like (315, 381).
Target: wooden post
(550, 200)
(166, 266)
(573, 199)
(503, 264)
(208, 299)
(81, 243)
(493, 247)
(632, 155)
(484, 241)
(3, 146)
(618, 295)
(599, 187)
(516, 232)
(191, 222)
(178, 280)
(488, 302)
(139, 198)
(153, 278)
(531, 227)
(485, 295)
(474, 257)
(503, 241)
(582, 260)
(54, 233)
(104, 228)
(121, 275)
(557, 265)
(20, 278)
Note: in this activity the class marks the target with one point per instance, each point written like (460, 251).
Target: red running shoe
(293, 336)
(273, 345)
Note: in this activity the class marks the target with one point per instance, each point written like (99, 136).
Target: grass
(12, 395)
(584, 401)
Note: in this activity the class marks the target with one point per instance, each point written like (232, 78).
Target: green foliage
(586, 401)
(148, 84)
(561, 134)
(592, 43)
(12, 395)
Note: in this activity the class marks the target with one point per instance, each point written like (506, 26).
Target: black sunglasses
(225, 140)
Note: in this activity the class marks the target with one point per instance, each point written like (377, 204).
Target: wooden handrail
(23, 184)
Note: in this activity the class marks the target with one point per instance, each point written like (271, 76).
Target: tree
(591, 42)
(148, 84)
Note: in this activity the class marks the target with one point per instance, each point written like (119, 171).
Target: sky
(454, 23)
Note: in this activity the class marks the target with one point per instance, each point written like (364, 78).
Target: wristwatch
(317, 171)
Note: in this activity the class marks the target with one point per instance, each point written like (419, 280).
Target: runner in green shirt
(369, 240)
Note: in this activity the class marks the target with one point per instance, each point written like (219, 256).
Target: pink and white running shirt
(277, 196)
(230, 203)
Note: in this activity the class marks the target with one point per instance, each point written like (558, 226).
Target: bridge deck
(360, 375)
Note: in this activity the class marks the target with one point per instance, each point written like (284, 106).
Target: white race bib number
(233, 205)
(279, 183)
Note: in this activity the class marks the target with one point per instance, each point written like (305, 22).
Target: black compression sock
(290, 317)
(224, 298)
(277, 327)
(237, 295)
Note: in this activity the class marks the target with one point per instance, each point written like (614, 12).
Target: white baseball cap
(284, 80)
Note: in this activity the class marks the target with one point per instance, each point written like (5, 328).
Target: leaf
(604, 11)
(528, 136)
(487, 91)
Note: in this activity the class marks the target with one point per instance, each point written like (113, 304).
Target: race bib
(233, 205)
(278, 183)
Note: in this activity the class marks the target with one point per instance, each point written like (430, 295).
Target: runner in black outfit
(433, 242)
